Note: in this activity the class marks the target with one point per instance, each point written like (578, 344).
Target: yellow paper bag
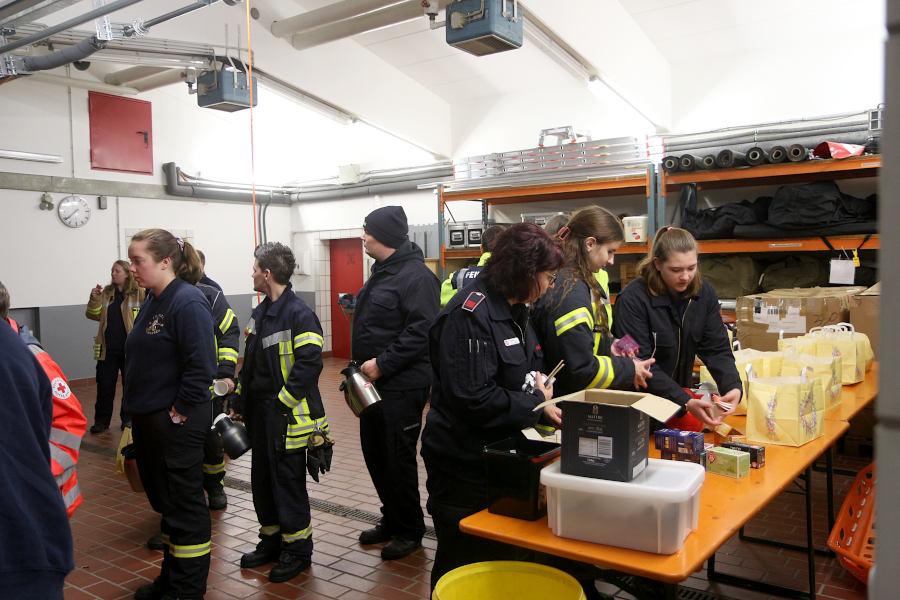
(825, 370)
(788, 411)
(855, 348)
(805, 344)
(123, 441)
(763, 364)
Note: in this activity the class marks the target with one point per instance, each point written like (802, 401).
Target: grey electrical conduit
(175, 186)
(80, 51)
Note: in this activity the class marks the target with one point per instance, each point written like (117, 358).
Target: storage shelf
(846, 242)
(638, 184)
(451, 254)
(856, 166)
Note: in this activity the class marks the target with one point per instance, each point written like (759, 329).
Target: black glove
(233, 402)
(319, 449)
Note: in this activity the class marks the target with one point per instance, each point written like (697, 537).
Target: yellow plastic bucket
(507, 580)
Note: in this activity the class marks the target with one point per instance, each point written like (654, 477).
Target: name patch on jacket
(472, 301)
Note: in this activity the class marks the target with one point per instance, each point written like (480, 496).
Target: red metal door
(121, 133)
(346, 277)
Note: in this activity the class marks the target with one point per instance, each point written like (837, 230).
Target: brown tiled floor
(112, 525)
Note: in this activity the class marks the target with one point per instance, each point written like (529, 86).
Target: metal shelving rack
(641, 182)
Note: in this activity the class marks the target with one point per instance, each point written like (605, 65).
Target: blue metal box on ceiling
(482, 27)
(225, 89)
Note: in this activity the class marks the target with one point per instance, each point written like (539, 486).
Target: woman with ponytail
(572, 320)
(674, 316)
(170, 362)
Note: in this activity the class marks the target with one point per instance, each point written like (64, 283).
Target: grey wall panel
(69, 338)
(27, 317)
(242, 306)
(310, 299)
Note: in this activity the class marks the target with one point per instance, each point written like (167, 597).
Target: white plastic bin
(635, 229)
(654, 512)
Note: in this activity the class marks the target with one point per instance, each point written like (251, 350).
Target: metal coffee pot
(359, 392)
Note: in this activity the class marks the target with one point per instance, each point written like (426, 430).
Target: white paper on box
(842, 271)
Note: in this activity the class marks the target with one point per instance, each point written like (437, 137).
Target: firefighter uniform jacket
(481, 350)
(393, 313)
(288, 332)
(66, 428)
(228, 332)
(566, 323)
(654, 323)
(458, 280)
(96, 311)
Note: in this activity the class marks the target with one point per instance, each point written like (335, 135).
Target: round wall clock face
(74, 211)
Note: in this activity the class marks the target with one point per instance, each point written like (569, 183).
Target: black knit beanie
(387, 225)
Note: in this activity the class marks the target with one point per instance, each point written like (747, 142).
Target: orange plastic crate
(853, 536)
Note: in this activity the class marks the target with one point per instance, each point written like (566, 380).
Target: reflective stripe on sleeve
(572, 319)
(226, 320)
(308, 337)
(64, 438)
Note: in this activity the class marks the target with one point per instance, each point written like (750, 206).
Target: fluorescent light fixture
(32, 156)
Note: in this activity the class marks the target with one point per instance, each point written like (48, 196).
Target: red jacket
(67, 427)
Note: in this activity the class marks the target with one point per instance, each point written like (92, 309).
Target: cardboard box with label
(864, 311)
(761, 318)
(606, 433)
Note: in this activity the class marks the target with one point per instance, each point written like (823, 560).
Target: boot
(289, 566)
(215, 492)
(399, 548)
(156, 542)
(375, 535)
(150, 591)
(267, 550)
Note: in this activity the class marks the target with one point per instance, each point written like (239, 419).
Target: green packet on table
(728, 462)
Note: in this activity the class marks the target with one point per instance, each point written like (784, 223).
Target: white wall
(292, 143)
(49, 264)
(821, 75)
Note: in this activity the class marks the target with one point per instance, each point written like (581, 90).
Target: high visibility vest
(66, 429)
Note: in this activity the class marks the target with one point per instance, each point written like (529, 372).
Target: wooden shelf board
(857, 166)
(846, 242)
(555, 191)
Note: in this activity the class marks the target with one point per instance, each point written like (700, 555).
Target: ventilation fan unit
(483, 27)
(225, 89)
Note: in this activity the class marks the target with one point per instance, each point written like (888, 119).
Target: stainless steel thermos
(359, 392)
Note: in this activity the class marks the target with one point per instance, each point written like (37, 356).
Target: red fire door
(121, 133)
(346, 278)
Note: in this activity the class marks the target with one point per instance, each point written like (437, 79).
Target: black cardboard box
(606, 434)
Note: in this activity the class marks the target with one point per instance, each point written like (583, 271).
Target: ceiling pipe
(126, 76)
(45, 62)
(179, 184)
(392, 15)
(326, 15)
(27, 11)
(98, 12)
(175, 187)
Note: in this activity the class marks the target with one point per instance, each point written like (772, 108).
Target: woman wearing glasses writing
(482, 346)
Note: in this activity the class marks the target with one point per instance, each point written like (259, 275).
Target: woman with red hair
(482, 347)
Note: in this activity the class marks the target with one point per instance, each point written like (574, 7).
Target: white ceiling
(685, 30)
(423, 54)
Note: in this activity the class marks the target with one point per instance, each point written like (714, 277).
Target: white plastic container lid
(675, 481)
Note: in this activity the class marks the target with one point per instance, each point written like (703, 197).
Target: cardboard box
(757, 453)
(699, 459)
(864, 312)
(606, 433)
(728, 462)
(675, 440)
(793, 312)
